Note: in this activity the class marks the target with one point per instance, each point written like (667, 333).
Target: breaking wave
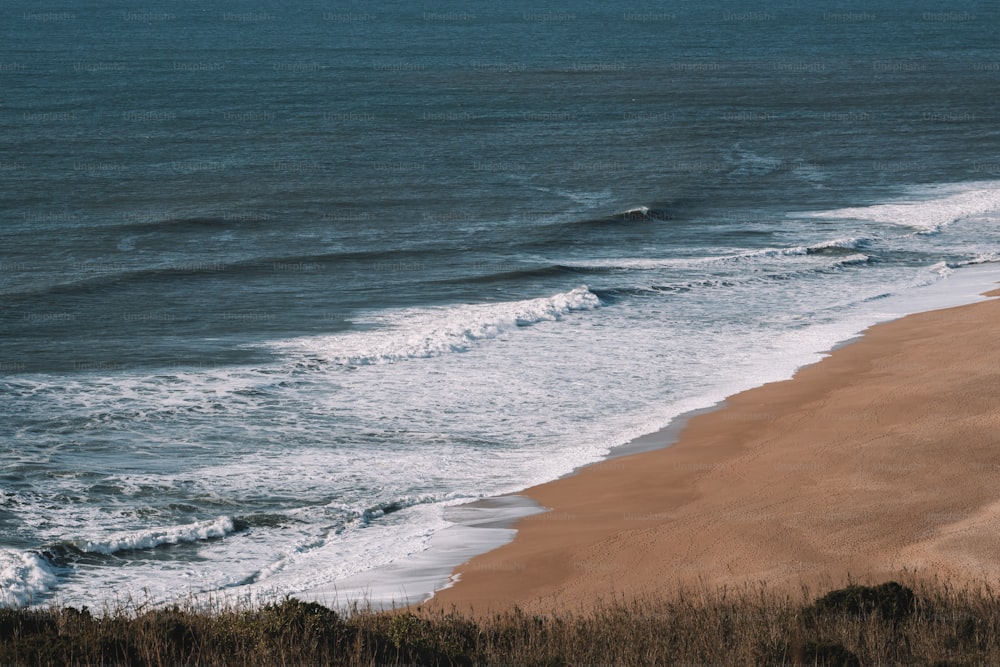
(154, 537)
(25, 578)
(431, 332)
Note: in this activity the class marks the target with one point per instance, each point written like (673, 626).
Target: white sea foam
(941, 269)
(25, 577)
(929, 210)
(154, 537)
(762, 253)
(850, 260)
(429, 332)
(846, 243)
(651, 263)
(982, 258)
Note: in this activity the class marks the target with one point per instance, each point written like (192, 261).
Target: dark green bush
(892, 601)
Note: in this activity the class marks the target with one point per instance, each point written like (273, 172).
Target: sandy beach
(882, 458)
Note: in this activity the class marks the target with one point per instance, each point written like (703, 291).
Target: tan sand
(881, 458)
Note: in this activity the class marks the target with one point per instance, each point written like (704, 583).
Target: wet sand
(881, 459)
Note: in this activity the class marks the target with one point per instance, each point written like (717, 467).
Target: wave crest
(25, 577)
(431, 332)
(154, 537)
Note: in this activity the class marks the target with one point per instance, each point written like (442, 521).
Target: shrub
(892, 602)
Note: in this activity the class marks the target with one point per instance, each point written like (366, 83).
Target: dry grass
(933, 624)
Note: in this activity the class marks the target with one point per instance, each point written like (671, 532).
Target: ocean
(283, 287)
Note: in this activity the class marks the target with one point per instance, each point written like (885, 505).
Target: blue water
(280, 284)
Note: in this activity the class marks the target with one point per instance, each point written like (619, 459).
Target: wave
(941, 269)
(98, 275)
(643, 214)
(151, 222)
(853, 260)
(840, 246)
(928, 214)
(982, 258)
(382, 509)
(154, 537)
(638, 214)
(25, 578)
(836, 247)
(846, 249)
(614, 295)
(515, 274)
(264, 520)
(431, 332)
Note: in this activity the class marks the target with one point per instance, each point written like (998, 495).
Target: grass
(930, 624)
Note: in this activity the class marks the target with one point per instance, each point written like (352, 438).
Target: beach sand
(881, 459)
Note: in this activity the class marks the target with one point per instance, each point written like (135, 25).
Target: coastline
(846, 471)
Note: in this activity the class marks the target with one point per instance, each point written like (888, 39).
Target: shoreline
(422, 577)
(478, 527)
(608, 529)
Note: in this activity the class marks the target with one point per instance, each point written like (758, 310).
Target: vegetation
(858, 625)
